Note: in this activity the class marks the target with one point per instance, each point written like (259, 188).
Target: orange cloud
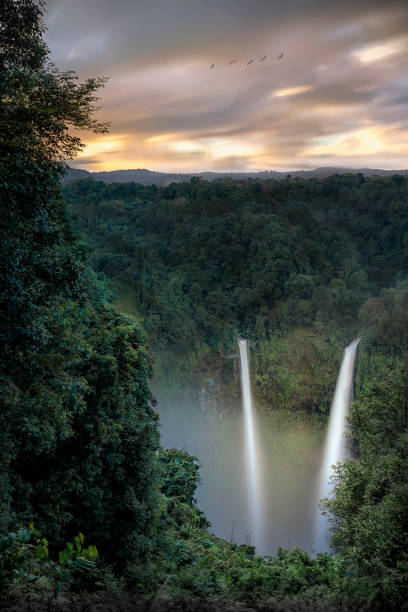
(363, 142)
(291, 91)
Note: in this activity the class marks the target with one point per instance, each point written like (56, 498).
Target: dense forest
(163, 179)
(97, 280)
(298, 266)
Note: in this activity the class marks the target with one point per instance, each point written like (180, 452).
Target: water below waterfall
(336, 443)
(259, 484)
(289, 454)
(252, 454)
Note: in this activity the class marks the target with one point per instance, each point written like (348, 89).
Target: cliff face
(295, 372)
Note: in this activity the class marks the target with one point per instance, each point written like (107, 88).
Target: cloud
(371, 140)
(291, 91)
(376, 53)
(338, 94)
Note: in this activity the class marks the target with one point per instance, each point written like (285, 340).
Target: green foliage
(201, 263)
(180, 474)
(369, 510)
(199, 567)
(38, 103)
(385, 320)
(296, 370)
(289, 264)
(82, 437)
(78, 433)
(75, 552)
(228, 252)
(25, 563)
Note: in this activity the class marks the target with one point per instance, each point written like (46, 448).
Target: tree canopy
(202, 262)
(78, 430)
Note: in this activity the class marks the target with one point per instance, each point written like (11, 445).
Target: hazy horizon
(76, 166)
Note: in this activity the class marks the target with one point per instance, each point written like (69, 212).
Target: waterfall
(335, 447)
(251, 448)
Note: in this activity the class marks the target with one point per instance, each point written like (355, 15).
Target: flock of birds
(250, 61)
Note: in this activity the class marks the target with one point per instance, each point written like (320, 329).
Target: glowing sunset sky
(338, 96)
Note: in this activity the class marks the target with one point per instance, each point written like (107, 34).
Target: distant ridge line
(150, 177)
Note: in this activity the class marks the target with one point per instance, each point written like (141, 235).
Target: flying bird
(233, 61)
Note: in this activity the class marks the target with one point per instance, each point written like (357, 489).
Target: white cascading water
(252, 461)
(335, 447)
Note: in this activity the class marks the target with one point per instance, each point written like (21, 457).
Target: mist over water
(336, 443)
(261, 475)
(289, 458)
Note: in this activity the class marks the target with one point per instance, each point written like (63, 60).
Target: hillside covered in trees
(148, 177)
(298, 266)
(93, 512)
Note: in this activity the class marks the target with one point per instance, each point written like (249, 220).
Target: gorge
(261, 480)
(148, 461)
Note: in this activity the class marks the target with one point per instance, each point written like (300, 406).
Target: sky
(337, 97)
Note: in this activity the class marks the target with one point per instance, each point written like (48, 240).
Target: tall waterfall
(252, 461)
(335, 447)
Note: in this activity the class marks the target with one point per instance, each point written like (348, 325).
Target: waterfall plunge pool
(290, 456)
(261, 478)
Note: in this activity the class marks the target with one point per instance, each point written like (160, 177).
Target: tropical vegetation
(90, 503)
